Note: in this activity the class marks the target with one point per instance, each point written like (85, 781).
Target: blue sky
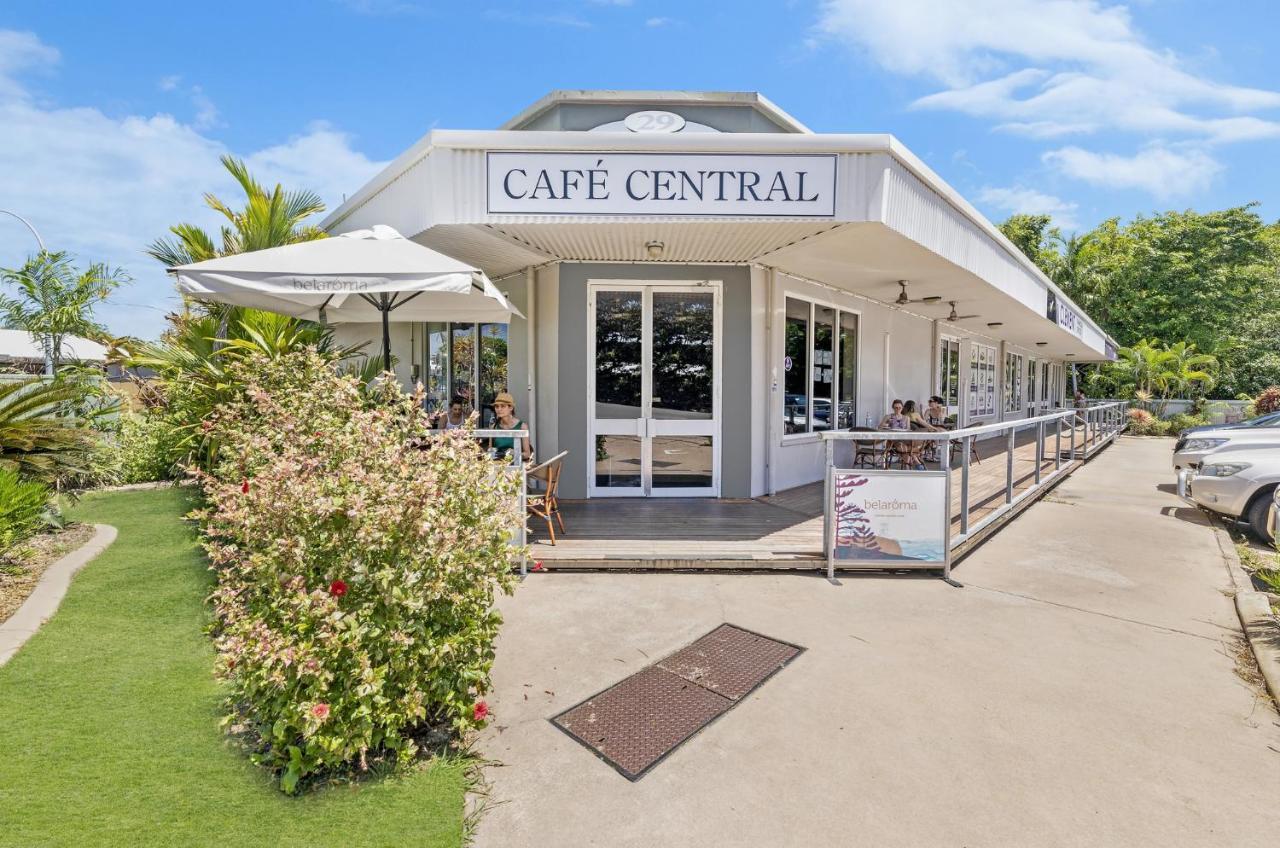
(112, 116)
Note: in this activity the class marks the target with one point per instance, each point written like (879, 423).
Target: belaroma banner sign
(889, 519)
(705, 184)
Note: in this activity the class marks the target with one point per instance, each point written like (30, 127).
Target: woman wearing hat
(504, 406)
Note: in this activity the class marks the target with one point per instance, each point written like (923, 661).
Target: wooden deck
(780, 531)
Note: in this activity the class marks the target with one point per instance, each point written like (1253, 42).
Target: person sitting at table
(896, 420)
(504, 407)
(920, 451)
(455, 418)
(936, 412)
(917, 420)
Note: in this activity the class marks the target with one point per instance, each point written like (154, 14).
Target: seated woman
(936, 413)
(455, 418)
(917, 421)
(896, 420)
(504, 407)
(920, 450)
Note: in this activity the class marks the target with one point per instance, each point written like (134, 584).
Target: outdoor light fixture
(654, 249)
(1041, 344)
(995, 323)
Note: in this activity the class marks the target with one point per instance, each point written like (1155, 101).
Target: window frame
(945, 345)
(1014, 365)
(809, 434)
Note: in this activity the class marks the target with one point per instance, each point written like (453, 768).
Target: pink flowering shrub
(357, 563)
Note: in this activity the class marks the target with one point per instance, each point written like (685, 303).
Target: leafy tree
(54, 300)
(1038, 239)
(1211, 280)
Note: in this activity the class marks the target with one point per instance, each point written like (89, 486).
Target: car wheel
(1256, 516)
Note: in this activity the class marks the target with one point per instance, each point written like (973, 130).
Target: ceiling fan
(955, 317)
(903, 300)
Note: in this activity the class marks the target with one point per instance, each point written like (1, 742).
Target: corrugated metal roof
(19, 344)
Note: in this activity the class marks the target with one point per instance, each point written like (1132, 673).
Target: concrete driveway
(1081, 690)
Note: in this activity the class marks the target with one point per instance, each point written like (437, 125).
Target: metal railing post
(1039, 449)
(1073, 437)
(966, 447)
(1057, 445)
(826, 503)
(1008, 464)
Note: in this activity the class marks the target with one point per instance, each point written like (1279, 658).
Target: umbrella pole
(385, 307)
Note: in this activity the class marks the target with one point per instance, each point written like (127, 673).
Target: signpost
(881, 518)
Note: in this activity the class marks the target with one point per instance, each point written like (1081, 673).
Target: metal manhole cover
(638, 721)
(730, 661)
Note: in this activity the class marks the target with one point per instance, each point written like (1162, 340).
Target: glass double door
(654, 390)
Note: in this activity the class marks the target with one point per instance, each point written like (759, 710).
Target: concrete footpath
(1080, 691)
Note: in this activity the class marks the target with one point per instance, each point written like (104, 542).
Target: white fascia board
(555, 140)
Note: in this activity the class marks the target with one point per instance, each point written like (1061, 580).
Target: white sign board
(889, 519)
(705, 184)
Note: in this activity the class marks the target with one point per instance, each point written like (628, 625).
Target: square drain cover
(636, 722)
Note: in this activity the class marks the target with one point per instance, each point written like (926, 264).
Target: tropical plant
(356, 567)
(37, 440)
(54, 300)
(1210, 278)
(23, 504)
(1268, 400)
(191, 365)
(1153, 373)
(268, 219)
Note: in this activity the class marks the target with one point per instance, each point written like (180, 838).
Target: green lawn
(108, 720)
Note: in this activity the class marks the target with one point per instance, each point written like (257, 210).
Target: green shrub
(23, 504)
(1143, 423)
(146, 445)
(357, 562)
(1182, 421)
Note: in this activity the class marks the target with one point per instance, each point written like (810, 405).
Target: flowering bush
(1143, 423)
(1268, 400)
(357, 564)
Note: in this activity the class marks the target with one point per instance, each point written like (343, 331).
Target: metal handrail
(1101, 423)
(926, 435)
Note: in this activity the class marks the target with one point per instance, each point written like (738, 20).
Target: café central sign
(707, 184)
(1064, 316)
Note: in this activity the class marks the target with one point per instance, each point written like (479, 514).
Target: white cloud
(1018, 200)
(1048, 68)
(206, 113)
(170, 82)
(1157, 169)
(104, 187)
(658, 22)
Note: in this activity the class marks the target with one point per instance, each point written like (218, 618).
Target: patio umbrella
(357, 277)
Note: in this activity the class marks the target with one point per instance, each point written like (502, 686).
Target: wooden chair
(870, 453)
(544, 503)
(973, 446)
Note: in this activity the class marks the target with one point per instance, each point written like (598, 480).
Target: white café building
(707, 285)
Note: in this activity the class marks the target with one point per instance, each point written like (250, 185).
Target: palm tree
(268, 219)
(54, 300)
(1191, 370)
(36, 440)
